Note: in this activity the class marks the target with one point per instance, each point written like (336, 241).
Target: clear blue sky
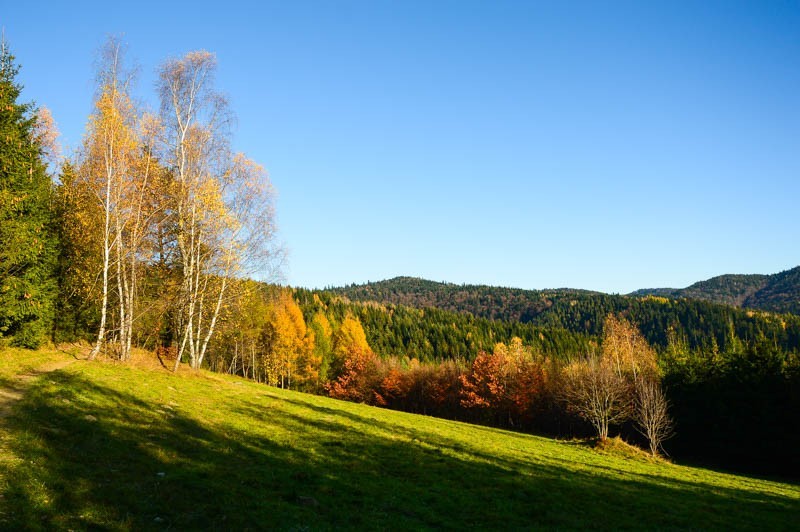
(599, 145)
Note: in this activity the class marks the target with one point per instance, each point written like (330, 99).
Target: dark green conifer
(27, 244)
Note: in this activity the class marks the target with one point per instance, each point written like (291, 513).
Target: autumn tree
(394, 387)
(358, 379)
(348, 339)
(604, 389)
(322, 353)
(290, 345)
(240, 346)
(484, 387)
(107, 170)
(221, 202)
(354, 373)
(594, 391)
(625, 350)
(45, 135)
(27, 238)
(524, 382)
(651, 414)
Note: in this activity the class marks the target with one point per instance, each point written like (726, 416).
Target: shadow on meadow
(89, 456)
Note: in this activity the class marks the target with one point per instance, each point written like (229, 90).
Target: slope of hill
(491, 302)
(779, 292)
(435, 334)
(701, 324)
(101, 445)
(731, 290)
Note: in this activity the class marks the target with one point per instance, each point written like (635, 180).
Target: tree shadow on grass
(89, 456)
(658, 487)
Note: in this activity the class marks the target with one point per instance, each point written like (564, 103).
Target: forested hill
(491, 302)
(728, 289)
(694, 324)
(779, 292)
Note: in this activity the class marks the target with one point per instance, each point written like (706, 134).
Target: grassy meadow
(133, 447)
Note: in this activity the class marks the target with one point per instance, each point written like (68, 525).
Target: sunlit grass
(106, 445)
(14, 361)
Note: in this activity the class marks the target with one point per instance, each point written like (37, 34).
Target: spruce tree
(27, 244)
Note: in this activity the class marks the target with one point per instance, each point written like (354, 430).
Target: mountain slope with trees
(494, 303)
(697, 324)
(779, 292)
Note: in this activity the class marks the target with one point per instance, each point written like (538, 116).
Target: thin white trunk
(106, 255)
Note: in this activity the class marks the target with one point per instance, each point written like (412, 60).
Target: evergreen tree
(27, 244)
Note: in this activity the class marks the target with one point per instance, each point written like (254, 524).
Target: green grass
(98, 445)
(14, 361)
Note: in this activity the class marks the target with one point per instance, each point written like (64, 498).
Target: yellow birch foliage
(625, 350)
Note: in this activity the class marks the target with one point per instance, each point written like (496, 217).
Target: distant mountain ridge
(491, 302)
(570, 316)
(779, 292)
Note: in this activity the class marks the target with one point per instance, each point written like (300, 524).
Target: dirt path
(11, 393)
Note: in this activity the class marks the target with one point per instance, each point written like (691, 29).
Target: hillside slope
(118, 447)
(731, 290)
(779, 292)
(700, 323)
(492, 302)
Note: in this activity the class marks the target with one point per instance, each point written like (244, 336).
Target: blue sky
(599, 145)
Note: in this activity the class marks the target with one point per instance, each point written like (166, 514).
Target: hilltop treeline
(779, 292)
(433, 334)
(696, 325)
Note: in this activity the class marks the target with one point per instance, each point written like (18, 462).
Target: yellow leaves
(45, 133)
(655, 299)
(625, 350)
(350, 338)
(150, 127)
(322, 323)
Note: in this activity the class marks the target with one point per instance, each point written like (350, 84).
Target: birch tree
(221, 202)
(597, 393)
(626, 351)
(117, 167)
(109, 149)
(652, 414)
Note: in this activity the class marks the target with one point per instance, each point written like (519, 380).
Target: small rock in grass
(89, 417)
(308, 501)
(161, 474)
(158, 520)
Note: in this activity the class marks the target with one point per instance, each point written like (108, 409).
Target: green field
(102, 445)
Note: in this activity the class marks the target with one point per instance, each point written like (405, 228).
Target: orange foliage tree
(354, 369)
